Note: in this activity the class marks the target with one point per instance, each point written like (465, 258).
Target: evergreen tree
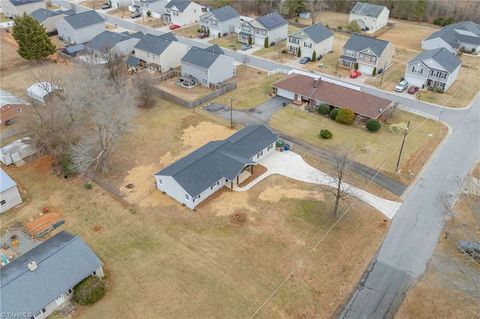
(314, 56)
(299, 53)
(294, 7)
(265, 43)
(420, 9)
(32, 39)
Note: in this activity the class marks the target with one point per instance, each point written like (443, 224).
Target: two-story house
(367, 54)
(370, 17)
(49, 18)
(437, 68)
(112, 43)
(182, 12)
(316, 38)
(271, 26)
(208, 66)
(160, 52)
(464, 36)
(221, 21)
(12, 8)
(81, 27)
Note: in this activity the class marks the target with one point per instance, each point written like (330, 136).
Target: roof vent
(32, 265)
(316, 83)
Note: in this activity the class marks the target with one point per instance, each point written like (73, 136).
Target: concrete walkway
(292, 165)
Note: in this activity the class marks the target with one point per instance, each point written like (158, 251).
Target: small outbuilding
(10, 196)
(10, 107)
(16, 152)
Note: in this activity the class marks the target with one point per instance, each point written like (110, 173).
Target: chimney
(316, 82)
(32, 265)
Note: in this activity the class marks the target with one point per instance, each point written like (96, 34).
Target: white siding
(190, 15)
(125, 47)
(222, 69)
(10, 10)
(11, 197)
(277, 34)
(320, 48)
(50, 23)
(197, 72)
(452, 77)
(437, 43)
(373, 23)
(68, 33)
(172, 55)
(285, 93)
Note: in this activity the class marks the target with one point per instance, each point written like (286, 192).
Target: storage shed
(16, 151)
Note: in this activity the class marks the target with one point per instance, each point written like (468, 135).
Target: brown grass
(229, 42)
(93, 4)
(188, 32)
(187, 94)
(408, 35)
(151, 22)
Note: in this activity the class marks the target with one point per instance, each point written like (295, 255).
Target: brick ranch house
(315, 90)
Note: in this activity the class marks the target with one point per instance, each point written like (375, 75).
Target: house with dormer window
(367, 54)
(316, 38)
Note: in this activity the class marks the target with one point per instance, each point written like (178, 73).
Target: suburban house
(437, 69)
(12, 8)
(369, 54)
(81, 27)
(271, 26)
(10, 107)
(315, 90)
(208, 66)
(182, 12)
(160, 53)
(119, 3)
(464, 36)
(316, 38)
(10, 196)
(113, 43)
(49, 18)
(206, 170)
(42, 279)
(220, 22)
(370, 17)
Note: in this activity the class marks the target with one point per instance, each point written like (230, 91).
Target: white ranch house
(369, 16)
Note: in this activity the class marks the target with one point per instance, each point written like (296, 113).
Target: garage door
(414, 80)
(365, 69)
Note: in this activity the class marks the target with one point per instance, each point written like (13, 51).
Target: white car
(402, 86)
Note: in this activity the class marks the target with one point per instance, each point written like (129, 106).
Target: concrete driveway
(292, 165)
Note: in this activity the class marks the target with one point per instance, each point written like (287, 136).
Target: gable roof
(271, 21)
(367, 9)
(181, 5)
(442, 56)
(224, 13)
(6, 182)
(8, 98)
(358, 42)
(155, 44)
(42, 14)
(335, 93)
(219, 159)
(84, 19)
(203, 58)
(106, 40)
(457, 33)
(317, 33)
(22, 2)
(62, 262)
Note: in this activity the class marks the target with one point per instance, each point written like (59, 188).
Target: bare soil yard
(377, 150)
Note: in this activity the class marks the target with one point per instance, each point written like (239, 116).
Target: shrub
(250, 40)
(149, 13)
(355, 65)
(265, 44)
(398, 128)
(87, 186)
(326, 134)
(345, 116)
(299, 52)
(373, 125)
(219, 35)
(284, 51)
(340, 27)
(334, 113)
(314, 56)
(323, 109)
(354, 27)
(89, 291)
(374, 72)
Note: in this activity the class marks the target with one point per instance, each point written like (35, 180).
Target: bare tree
(340, 190)
(116, 67)
(145, 86)
(315, 9)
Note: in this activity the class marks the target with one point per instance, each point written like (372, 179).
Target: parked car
(319, 57)
(135, 15)
(304, 60)
(245, 47)
(174, 26)
(380, 71)
(203, 35)
(413, 89)
(402, 86)
(355, 74)
(106, 6)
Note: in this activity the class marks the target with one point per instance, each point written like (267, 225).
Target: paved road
(415, 230)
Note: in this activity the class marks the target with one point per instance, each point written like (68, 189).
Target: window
(360, 57)
(218, 183)
(94, 273)
(418, 70)
(187, 197)
(43, 310)
(2, 202)
(373, 59)
(160, 181)
(307, 45)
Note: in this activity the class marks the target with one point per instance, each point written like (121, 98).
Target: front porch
(246, 38)
(346, 62)
(249, 174)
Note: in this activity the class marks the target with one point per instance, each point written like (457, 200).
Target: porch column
(251, 169)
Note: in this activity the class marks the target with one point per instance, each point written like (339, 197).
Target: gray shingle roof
(317, 33)
(359, 42)
(106, 40)
(6, 182)
(63, 261)
(224, 13)
(219, 159)
(454, 34)
(271, 21)
(442, 56)
(43, 14)
(179, 4)
(203, 58)
(367, 9)
(84, 19)
(155, 44)
(22, 2)
(133, 60)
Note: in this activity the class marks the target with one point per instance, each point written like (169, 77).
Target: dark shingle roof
(454, 34)
(22, 2)
(224, 13)
(133, 60)
(317, 32)
(155, 44)
(271, 21)
(359, 42)
(442, 56)
(43, 14)
(137, 35)
(219, 159)
(203, 58)
(179, 4)
(367, 9)
(106, 40)
(84, 19)
(62, 262)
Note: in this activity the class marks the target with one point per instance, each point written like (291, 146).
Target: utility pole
(384, 70)
(231, 113)
(401, 148)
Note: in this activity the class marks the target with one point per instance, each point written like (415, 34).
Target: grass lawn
(121, 12)
(192, 94)
(188, 31)
(408, 35)
(292, 29)
(377, 150)
(253, 88)
(151, 22)
(332, 19)
(94, 4)
(229, 42)
(329, 62)
(275, 53)
(3, 18)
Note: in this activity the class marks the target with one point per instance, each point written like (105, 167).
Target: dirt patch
(238, 218)
(276, 193)
(97, 228)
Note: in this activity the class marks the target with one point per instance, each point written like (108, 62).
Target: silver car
(402, 86)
